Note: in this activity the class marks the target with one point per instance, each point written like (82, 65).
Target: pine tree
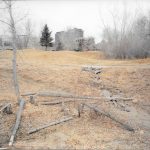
(46, 39)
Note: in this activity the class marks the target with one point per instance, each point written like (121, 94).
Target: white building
(66, 40)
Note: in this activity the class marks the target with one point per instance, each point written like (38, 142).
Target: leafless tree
(26, 30)
(128, 37)
(28, 33)
(11, 22)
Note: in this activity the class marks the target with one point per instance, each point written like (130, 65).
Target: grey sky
(85, 14)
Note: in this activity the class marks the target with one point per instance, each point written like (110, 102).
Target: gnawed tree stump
(6, 109)
(32, 99)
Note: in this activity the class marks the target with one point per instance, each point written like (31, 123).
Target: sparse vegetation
(129, 39)
(60, 72)
(72, 96)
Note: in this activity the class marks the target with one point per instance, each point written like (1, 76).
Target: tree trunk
(14, 40)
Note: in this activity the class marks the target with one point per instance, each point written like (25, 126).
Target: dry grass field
(61, 71)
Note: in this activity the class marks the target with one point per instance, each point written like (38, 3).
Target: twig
(50, 124)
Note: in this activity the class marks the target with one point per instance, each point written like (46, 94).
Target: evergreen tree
(46, 39)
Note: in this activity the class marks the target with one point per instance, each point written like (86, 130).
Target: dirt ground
(61, 71)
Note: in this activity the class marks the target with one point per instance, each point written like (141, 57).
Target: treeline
(128, 38)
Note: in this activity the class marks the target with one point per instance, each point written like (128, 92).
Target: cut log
(6, 109)
(18, 119)
(125, 126)
(50, 124)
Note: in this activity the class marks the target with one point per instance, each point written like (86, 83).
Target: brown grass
(61, 71)
(68, 58)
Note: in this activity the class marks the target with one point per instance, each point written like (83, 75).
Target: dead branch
(127, 127)
(66, 96)
(18, 119)
(50, 124)
(57, 102)
(118, 98)
(54, 94)
(5, 23)
(81, 97)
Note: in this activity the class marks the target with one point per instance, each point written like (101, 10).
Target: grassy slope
(69, 57)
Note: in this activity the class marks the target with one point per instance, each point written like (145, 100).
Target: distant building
(66, 40)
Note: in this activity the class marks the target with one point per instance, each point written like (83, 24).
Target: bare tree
(11, 23)
(128, 37)
(28, 33)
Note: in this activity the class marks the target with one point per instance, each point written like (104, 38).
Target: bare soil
(61, 71)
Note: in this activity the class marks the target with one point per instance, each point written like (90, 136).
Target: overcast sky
(84, 14)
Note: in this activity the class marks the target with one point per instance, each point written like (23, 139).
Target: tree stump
(7, 109)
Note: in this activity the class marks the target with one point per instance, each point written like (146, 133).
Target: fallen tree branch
(68, 96)
(127, 127)
(57, 102)
(18, 119)
(54, 94)
(79, 97)
(50, 124)
(51, 94)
